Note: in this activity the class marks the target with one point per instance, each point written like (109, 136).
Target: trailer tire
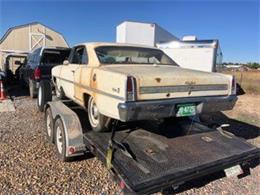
(96, 119)
(32, 89)
(60, 141)
(44, 94)
(49, 125)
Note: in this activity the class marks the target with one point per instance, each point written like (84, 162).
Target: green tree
(253, 65)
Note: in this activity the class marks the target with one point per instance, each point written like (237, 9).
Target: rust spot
(94, 77)
(93, 83)
(158, 80)
(168, 95)
(190, 83)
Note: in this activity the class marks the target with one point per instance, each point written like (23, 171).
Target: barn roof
(24, 25)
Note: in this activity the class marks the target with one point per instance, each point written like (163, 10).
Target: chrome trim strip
(182, 88)
(92, 89)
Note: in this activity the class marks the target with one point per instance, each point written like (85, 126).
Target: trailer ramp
(156, 159)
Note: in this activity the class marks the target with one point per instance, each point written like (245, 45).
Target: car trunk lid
(165, 81)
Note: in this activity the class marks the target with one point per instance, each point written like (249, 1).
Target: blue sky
(235, 23)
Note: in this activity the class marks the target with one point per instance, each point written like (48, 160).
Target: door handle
(73, 71)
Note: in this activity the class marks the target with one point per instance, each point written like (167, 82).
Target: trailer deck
(159, 161)
(149, 157)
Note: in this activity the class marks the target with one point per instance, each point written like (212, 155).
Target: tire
(44, 94)
(60, 141)
(32, 89)
(49, 125)
(96, 120)
(60, 93)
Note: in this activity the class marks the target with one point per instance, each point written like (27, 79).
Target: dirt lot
(28, 164)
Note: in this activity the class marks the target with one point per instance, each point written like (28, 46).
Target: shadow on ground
(16, 90)
(238, 128)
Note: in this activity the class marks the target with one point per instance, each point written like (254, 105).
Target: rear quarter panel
(55, 72)
(109, 90)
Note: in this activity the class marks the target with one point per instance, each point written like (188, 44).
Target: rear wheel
(49, 125)
(44, 94)
(59, 93)
(32, 89)
(97, 120)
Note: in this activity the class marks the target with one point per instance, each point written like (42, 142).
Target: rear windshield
(132, 55)
(54, 56)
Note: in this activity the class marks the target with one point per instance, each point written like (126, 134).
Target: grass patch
(248, 80)
(249, 119)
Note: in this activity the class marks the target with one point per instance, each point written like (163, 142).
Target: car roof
(98, 44)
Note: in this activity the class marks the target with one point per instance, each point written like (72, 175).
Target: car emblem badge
(191, 84)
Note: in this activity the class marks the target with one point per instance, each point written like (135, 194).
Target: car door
(68, 71)
(82, 76)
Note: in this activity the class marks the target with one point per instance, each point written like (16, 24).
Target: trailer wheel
(60, 141)
(44, 94)
(97, 120)
(49, 125)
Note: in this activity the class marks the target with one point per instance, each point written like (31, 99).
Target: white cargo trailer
(142, 33)
(204, 55)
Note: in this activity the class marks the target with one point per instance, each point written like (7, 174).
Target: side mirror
(65, 62)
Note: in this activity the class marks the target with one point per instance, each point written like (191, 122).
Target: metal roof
(24, 25)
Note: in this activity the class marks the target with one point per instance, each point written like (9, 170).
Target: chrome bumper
(156, 109)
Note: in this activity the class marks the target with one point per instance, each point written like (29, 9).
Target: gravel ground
(28, 164)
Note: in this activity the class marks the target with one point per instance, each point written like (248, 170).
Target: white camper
(204, 55)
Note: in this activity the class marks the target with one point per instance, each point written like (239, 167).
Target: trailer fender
(73, 130)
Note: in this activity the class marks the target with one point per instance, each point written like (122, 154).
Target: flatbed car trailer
(147, 157)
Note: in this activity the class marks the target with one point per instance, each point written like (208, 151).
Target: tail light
(234, 86)
(37, 73)
(122, 184)
(131, 88)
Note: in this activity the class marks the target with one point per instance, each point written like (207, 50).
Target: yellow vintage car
(132, 82)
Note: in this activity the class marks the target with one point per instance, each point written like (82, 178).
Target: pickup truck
(132, 82)
(39, 64)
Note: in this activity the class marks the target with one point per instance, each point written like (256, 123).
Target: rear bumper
(156, 109)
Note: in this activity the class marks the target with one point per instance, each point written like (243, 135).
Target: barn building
(18, 41)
